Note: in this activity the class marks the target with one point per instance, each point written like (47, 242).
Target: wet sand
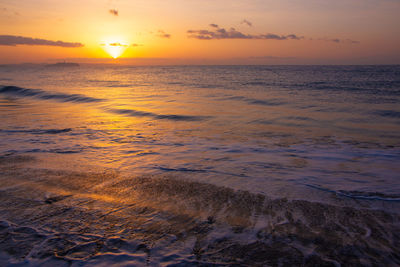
(58, 217)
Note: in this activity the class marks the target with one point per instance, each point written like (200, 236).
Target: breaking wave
(359, 194)
(77, 98)
(138, 113)
(40, 94)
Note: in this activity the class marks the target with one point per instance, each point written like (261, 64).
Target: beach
(62, 218)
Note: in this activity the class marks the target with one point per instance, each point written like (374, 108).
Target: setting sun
(114, 49)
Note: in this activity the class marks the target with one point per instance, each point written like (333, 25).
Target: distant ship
(63, 64)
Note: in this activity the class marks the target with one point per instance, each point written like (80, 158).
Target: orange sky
(201, 32)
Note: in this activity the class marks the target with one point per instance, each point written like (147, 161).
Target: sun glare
(114, 49)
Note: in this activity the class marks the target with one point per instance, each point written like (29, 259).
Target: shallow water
(91, 145)
(252, 127)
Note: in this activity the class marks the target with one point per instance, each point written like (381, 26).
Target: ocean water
(175, 165)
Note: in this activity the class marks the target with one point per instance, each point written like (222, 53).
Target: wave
(54, 150)
(252, 101)
(138, 113)
(301, 123)
(77, 98)
(39, 131)
(41, 94)
(180, 169)
(257, 83)
(183, 169)
(388, 113)
(359, 194)
(376, 88)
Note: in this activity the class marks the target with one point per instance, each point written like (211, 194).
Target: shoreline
(63, 218)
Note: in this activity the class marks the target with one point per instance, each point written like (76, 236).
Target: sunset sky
(201, 31)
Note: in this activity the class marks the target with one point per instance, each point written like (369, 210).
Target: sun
(115, 49)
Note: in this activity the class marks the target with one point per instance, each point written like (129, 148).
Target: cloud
(248, 23)
(117, 44)
(162, 34)
(11, 40)
(113, 12)
(122, 45)
(8, 11)
(337, 40)
(271, 57)
(232, 33)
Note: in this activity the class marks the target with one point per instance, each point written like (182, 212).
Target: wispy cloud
(163, 34)
(113, 12)
(232, 33)
(121, 45)
(337, 40)
(11, 40)
(118, 44)
(8, 11)
(271, 57)
(248, 23)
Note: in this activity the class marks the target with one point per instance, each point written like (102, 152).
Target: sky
(146, 32)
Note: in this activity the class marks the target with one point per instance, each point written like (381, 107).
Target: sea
(199, 165)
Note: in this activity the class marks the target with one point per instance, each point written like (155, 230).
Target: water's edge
(66, 217)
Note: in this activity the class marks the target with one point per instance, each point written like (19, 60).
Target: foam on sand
(65, 217)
